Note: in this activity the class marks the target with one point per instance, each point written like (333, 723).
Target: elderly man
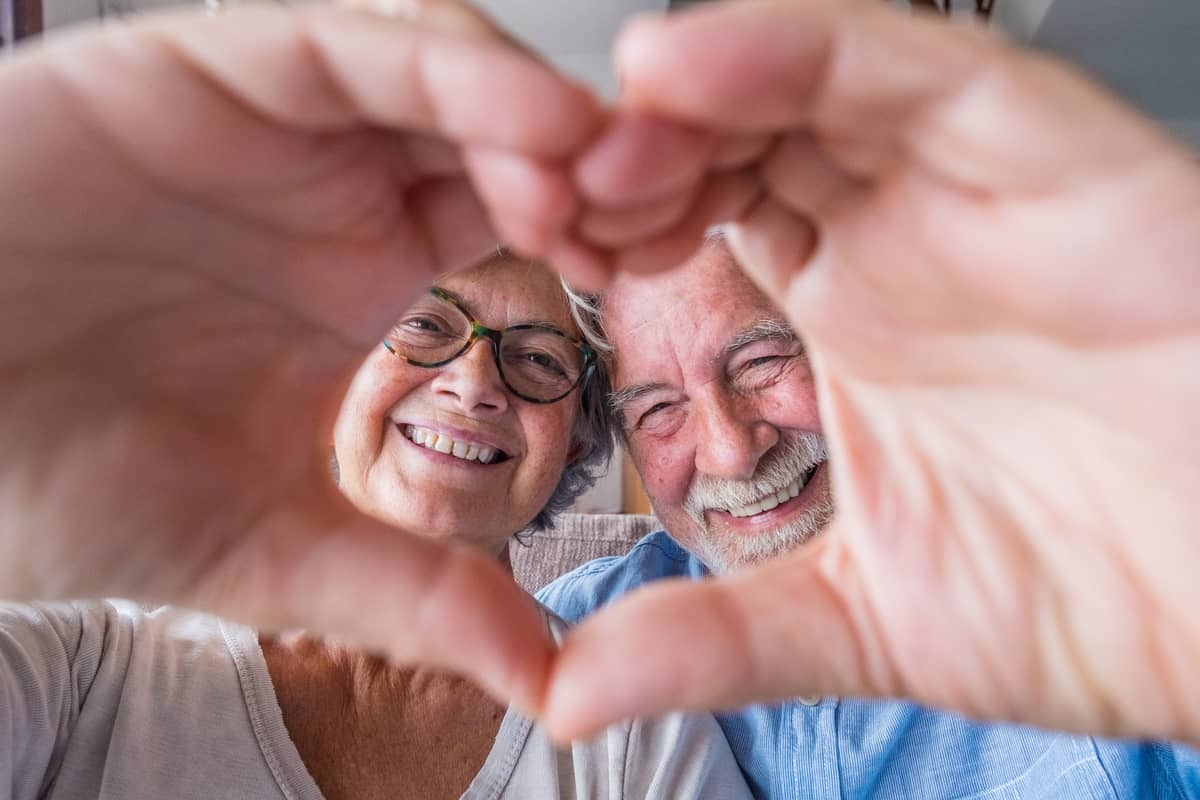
(716, 402)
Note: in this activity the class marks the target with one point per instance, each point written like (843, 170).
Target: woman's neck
(347, 710)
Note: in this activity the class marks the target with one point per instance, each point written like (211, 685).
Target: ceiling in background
(575, 35)
(1147, 50)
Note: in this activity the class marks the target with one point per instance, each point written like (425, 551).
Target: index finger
(783, 629)
(952, 97)
(332, 69)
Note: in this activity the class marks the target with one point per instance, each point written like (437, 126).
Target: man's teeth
(769, 502)
(468, 451)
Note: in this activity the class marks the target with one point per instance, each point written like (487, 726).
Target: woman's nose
(473, 381)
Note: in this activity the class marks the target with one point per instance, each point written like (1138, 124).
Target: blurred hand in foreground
(205, 224)
(994, 266)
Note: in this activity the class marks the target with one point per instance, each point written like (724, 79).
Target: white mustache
(795, 454)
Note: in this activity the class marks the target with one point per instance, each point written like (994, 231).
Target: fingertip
(735, 151)
(501, 638)
(525, 682)
(585, 267)
(638, 159)
(490, 93)
(661, 254)
(724, 197)
(565, 713)
(625, 227)
(635, 43)
(531, 202)
(750, 67)
(773, 246)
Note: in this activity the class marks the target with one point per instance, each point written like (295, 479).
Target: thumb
(773, 246)
(788, 628)
(405, 597)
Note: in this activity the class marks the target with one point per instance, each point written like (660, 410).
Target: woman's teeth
(468, 451)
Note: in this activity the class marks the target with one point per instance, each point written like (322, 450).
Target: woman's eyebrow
(544, 323)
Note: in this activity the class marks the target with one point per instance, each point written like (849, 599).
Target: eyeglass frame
(495, 337)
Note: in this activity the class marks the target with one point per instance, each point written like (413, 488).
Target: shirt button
(810, 700)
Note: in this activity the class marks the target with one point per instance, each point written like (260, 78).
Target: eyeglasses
(538, 363)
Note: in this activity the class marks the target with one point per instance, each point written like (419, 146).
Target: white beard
(793, 456)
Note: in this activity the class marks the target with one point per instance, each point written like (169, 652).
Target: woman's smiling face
(391, 466)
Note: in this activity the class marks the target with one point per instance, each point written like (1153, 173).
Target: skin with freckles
(383, 748)
(709, 402)
(412, 487)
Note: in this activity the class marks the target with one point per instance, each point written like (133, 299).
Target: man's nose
(472, 380)
(732, 438)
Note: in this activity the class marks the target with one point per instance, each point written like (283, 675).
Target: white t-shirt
(106, 700)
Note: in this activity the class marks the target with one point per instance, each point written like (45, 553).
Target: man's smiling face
(714, 393)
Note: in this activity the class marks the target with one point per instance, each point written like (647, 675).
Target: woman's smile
(456, 444)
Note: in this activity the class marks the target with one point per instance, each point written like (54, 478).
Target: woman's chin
(457, 523)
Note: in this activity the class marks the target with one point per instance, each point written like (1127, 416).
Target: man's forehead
(680, 320)
(685, 297)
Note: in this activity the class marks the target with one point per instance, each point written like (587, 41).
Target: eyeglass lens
(536, 362)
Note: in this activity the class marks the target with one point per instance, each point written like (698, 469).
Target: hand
(995, 267)
(205, 223)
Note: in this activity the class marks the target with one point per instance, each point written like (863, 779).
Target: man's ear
(576, 453)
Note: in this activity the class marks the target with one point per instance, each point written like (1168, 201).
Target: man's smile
(770, 501)
(776, 509)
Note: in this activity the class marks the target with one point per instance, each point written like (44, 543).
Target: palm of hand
(283, 228)
(991, 553)
(954, 575)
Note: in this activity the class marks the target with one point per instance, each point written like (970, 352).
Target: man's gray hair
(587, 311)
(586, 308)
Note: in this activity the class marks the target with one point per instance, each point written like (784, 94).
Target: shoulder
(95, 637)
(597, 582)
(69, 628)
(89, 636)
(1164, 770)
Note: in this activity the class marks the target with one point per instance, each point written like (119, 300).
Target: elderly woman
(478, 417)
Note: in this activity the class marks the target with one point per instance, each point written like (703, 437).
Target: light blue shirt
(851, 749)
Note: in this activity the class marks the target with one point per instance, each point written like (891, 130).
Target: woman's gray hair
(592, 440)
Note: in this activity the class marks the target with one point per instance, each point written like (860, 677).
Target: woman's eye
(546, 362)
(423, 329)
(423, 324)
